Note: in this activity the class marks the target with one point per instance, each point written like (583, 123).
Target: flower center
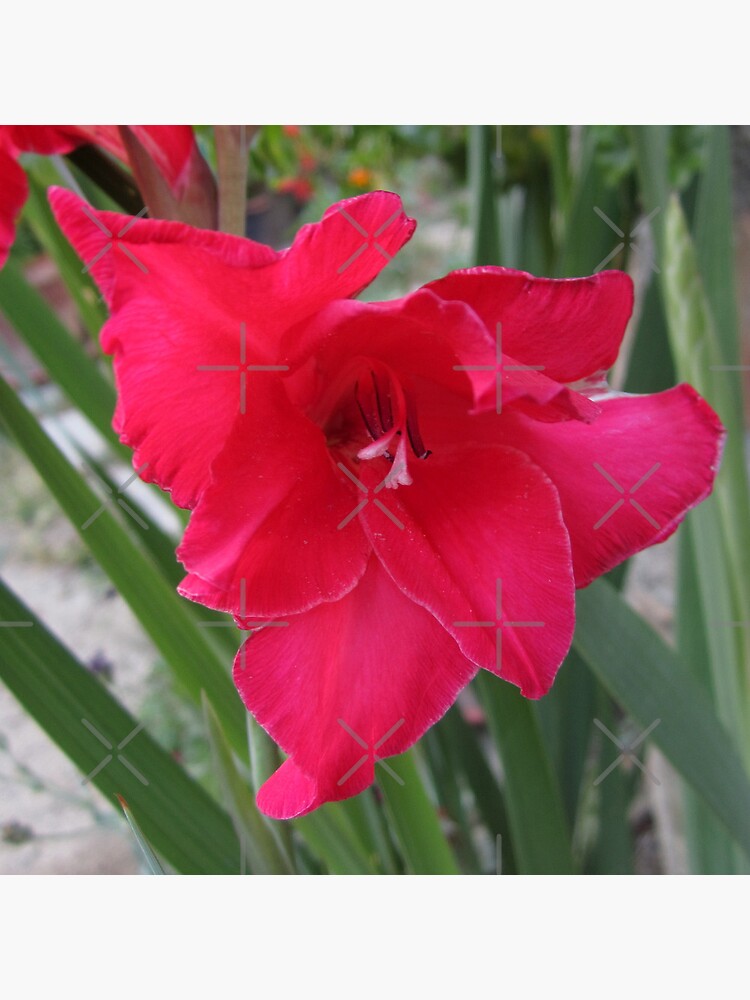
(374, 417)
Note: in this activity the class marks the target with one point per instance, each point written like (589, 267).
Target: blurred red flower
(383, 491)
(172, 149)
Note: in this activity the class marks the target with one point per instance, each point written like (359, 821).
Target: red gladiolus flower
(171, 147)
(389, 496)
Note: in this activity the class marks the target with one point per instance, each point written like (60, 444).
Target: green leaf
(260, 847)
(182, 822)
(332, 836)
(44, 226)
(541, 837)
(472, 761)
(146, 849)
(722, 536)
(64, 358)
(566, 716)
(645, 676)
(414, 820)
(651, 145)
(482, 140)
(163, 614)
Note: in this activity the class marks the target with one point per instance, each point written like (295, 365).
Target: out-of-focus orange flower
(360, 177)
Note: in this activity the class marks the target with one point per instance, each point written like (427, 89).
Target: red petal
(263, 542)
(191, 309)
(172, 147)
(345, 683)
(571, 326)
(13, 191)
(483, 541)
(289, 792)
(424, 336)
(48, 140)
(627, 480)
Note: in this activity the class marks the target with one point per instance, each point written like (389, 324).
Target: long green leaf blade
(260, 847)
(651, 683)
(64, 358)
(541, 837)
(157, 606)
(182, 822)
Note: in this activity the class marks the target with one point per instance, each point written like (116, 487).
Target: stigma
(390, 419)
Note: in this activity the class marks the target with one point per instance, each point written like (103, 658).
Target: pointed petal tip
(288, 793)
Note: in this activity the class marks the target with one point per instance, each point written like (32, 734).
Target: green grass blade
(331, 835)
(612, 850)
(261, 849)
(714, 245)
(541, 837)
(414, 820)
(646, 677)
(39, 215)
(711, 849)
(182, 822)
(482, 139)
(566, 716)
(163, 614)
(146, 849)
(479, 777)
(722, 541)
(651, 146)
(64, 358)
